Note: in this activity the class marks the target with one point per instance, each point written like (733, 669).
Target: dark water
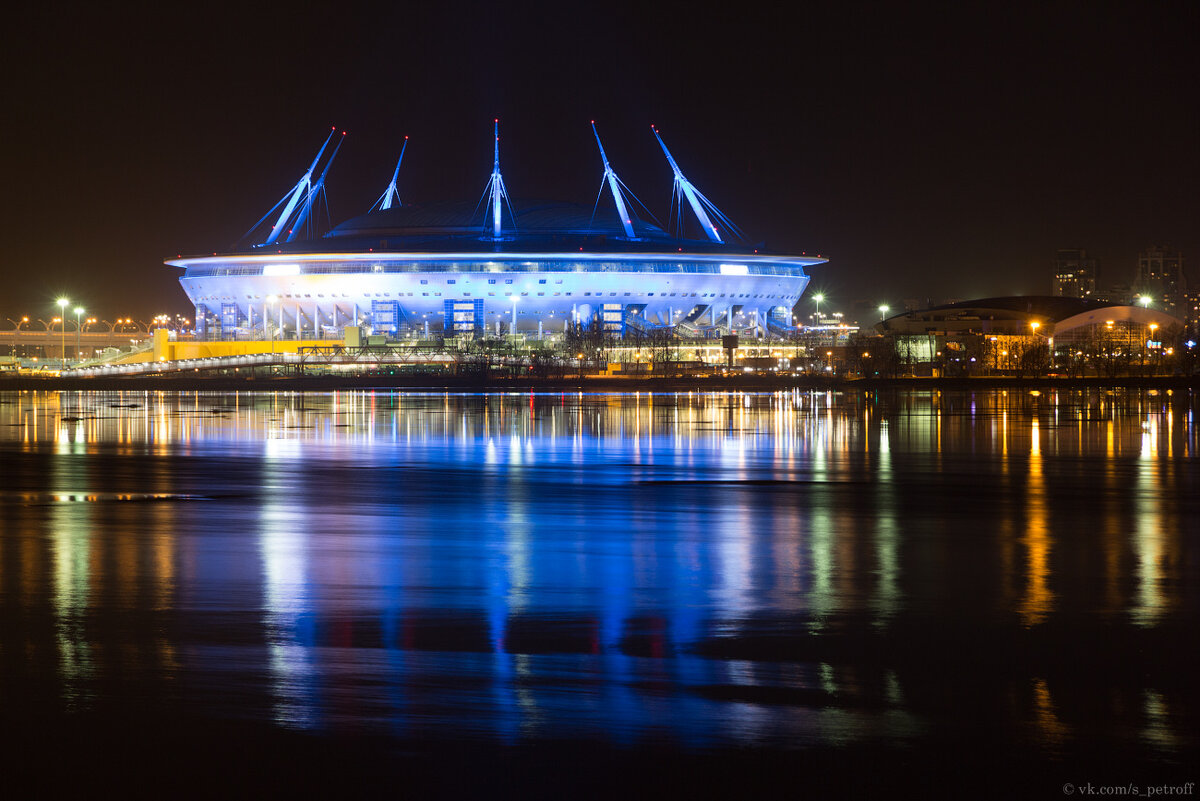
(555, 594)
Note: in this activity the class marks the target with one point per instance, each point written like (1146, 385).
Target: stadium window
(508, 280)
(424, 281)
(541, 280)
(450, 281)
(491, 280)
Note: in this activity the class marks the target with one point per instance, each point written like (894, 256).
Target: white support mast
(300, 192)
(611, 178)
(495, 192)
(696, 200)
(385, 200)
(314, 191)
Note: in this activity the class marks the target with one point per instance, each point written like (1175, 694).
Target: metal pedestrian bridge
(292, 362)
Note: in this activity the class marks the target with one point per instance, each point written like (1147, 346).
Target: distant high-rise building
(1074, 274)
(1116, 293)
(1191, 309)
(1160, 278)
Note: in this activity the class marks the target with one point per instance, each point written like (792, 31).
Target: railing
(335, 354)
(501, 268)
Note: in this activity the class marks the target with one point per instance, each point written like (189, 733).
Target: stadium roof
(1012, 314)
(1044, 306)
(540, 226)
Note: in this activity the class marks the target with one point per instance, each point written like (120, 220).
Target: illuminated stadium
(494, 267)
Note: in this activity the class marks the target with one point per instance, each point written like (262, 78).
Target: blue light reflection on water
(516, 566)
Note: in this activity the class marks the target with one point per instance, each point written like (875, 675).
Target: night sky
(928, 154)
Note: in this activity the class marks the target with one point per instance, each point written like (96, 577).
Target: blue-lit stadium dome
(459, 268)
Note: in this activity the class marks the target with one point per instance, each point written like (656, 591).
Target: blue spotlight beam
(699, 203)
(611, 178)
(297, 194)
(385, 200)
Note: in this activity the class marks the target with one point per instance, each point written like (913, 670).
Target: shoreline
(752, 383)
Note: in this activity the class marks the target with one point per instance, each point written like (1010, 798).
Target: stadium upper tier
(528, 266)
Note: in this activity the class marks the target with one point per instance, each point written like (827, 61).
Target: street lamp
(62, 304)
(78, 312)
(1145, 300)
(817, 298)
(1151, 344)
(883, 310)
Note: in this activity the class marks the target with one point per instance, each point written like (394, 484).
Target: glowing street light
(1145, 301)
(817, 298)
(883, 310)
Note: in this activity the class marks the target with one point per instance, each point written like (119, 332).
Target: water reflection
(704, 569)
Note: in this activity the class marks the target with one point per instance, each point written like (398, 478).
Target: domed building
(525, 267)
(1001, 332)
(1061, 318)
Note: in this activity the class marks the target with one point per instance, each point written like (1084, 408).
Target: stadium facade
(494, 267)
